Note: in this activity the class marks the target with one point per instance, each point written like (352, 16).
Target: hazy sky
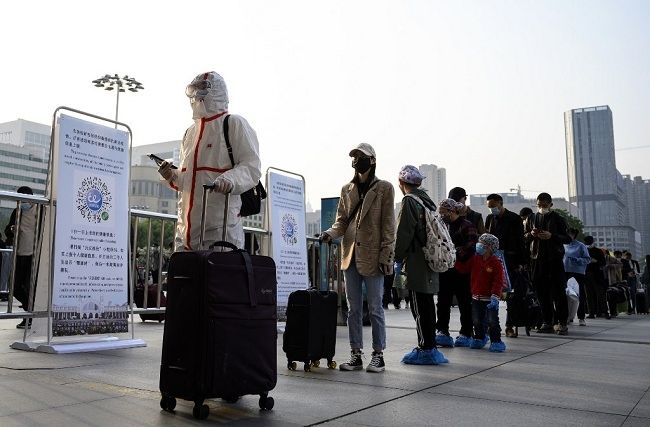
(477, 87)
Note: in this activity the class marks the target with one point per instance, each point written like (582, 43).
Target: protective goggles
(198, 90)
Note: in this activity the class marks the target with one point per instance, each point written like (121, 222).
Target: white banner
(90, 292)
(287, 200)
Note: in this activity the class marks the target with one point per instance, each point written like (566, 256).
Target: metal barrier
(39, 203)
(141, 258)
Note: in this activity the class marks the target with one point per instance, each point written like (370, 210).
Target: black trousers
(596, 294)
(581, 279)
(424, 313)
(485, 319)
(388, 290)
(453, 283)
(21, 279)
(549, 282)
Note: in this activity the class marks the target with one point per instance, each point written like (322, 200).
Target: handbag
(251, 200)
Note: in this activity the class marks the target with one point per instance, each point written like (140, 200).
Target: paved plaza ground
(598, 375)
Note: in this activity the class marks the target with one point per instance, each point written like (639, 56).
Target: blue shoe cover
(498, 347)
(462, 341)
(444, 340)
(477, 344)
(425, 357)
(438, 356)
(409, 357)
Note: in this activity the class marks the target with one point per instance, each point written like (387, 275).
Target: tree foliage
(572, 222)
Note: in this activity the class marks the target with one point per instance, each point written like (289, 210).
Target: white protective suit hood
(208, 95)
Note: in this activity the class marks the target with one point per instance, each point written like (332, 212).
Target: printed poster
(90, 292)
(289, 240)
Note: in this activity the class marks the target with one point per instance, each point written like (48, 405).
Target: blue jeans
(354, 292)
(483, 317)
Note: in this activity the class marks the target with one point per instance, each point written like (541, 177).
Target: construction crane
(519, 190)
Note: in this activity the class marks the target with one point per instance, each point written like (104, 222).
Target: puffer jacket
(369, 236)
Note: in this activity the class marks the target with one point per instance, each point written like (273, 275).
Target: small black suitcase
(310, 332)
(641, 301)
(220, 336)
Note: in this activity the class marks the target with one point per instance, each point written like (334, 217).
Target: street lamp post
(119, 84)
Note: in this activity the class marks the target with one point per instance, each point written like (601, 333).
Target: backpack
(439, 250)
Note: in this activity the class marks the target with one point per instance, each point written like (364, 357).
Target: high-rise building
(435, 183)
(595, 185)
(24, 156)
(637, 202)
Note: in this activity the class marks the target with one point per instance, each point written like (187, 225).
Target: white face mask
(543, 211)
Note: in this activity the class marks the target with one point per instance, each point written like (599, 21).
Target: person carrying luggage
(421, 281)
(205, 159)
(365, 218)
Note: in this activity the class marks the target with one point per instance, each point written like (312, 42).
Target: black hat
(457, 193)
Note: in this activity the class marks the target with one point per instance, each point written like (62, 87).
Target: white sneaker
(582, 322)
(376, 363)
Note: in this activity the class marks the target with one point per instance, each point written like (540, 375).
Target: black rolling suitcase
(220, 337)
(310, 332)
(641, 300)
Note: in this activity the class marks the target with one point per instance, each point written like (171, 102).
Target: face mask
(25, 205)
(543, 211)
(494, 211)
(480, 248)
(361, 165)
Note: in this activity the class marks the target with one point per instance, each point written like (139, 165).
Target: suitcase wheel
(167, 403)
(315, 363)
(200, 411)
(291, 366)
(307, 367)
(331, 364)
(266, 403)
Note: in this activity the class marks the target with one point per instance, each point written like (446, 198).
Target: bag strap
(356, 208)
(225, 135)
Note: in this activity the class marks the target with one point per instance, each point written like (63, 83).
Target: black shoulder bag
(251, 200)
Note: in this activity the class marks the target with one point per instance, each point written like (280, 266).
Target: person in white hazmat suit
(204, 160)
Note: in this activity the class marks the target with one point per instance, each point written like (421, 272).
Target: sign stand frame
(77, 344)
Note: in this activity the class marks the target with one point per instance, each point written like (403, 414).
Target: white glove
(222, 185)
(165, 170)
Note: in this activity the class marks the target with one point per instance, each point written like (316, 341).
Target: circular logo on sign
(289, 229)
(94, 199)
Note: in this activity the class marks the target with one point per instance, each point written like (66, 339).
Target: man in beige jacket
(365, 217)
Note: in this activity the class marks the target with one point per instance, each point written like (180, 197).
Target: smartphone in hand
(158, 160)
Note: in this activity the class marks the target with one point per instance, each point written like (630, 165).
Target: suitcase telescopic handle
(204, 208)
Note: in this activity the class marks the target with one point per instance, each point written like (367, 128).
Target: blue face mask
(494, 211)
(25, 205)
(480, 248)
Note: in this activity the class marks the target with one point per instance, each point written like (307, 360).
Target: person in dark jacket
(595, 284)
(452, 282)
(421, 282)
(460, 195)
(508, 228)
(547, 238)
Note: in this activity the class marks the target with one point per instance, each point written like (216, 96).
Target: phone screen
(158, 160)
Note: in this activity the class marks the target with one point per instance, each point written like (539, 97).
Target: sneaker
(376, 363)
(562, 330)
(22, 324)
(444, 340)
(498, 347)
(478, 344)
(511, 332)
(354, 364)
(556, 327)
(582, 322)
(545, 329)
(462, 341)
